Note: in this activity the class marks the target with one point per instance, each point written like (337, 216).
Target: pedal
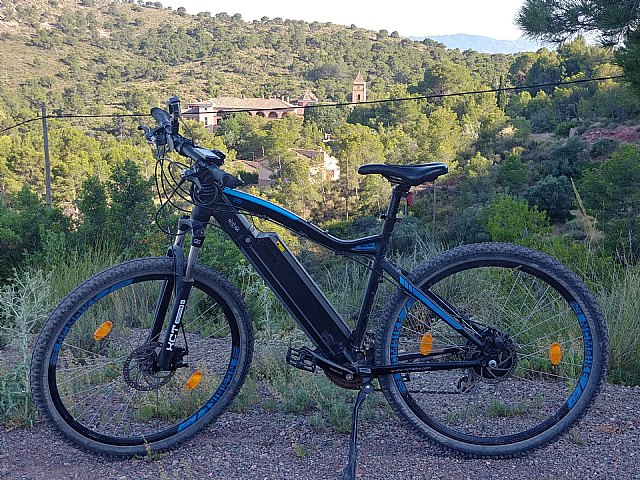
(301, 358)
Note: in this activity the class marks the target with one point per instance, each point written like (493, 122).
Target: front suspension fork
(180, 285)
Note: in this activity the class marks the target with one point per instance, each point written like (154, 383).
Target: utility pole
(501, 94)
(47, 163)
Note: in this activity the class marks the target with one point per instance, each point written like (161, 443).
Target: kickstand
(350, 470)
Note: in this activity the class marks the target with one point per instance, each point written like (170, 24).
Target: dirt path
(256, 445)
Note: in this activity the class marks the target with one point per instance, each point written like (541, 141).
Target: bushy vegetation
(519, 169)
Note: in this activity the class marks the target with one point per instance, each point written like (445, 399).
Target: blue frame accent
(432, 306)
(237, 197)
(251, 203)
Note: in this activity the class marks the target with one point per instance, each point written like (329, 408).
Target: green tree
(375, 195)
(328, 119)
(281, 136)
(610, 193)
(243, 133)
(512, 220)
(613, 22)
(553, 195)
(440, 136)
(294, 186)
(355, 145)
(24, 220)
(131, 209)
(92, 204)
(512, 175)
(478, 184)
(557, 20)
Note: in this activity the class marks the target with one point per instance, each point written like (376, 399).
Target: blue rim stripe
(233, 365)
(588, 356)
(65, 330)
(397, 377)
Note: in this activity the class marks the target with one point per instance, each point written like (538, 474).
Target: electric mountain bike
(489, 350)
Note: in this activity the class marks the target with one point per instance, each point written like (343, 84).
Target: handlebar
(167, 134)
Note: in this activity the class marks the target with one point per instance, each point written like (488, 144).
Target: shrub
(563, 128)
(512, 220)
(604, 148)
(24, 305)
(554, 195)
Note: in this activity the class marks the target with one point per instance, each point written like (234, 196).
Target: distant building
(212, 111)
(320, 163)
(259, 167)
(359, 93)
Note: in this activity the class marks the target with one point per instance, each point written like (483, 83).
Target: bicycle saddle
(409, 174)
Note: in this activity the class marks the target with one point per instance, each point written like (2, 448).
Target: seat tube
(391, 217)
(375, 277)
(197, 240)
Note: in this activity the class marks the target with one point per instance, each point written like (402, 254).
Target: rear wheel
(92, 372)
(542, 330)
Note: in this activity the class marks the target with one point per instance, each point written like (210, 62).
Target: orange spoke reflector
(555, 353)
(194, 380)
(103, 330)
(426, 344)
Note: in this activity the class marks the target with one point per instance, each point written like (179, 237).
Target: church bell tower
(359, 90)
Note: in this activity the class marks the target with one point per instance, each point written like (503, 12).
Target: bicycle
(488, 350)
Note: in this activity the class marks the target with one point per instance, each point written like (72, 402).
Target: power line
(69, 115)
(436, 95)
(344, 104)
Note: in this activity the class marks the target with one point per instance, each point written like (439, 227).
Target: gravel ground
(255, 445)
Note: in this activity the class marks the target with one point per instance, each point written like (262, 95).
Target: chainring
(342, 382)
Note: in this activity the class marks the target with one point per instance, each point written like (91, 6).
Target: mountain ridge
(482, 44)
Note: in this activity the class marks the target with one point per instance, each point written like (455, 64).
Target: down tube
(290, 282)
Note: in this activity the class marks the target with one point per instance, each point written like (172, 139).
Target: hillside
(516, 158)
(84, 55)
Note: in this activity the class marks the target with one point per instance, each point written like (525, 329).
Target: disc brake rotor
(138, 373)
(502, 364)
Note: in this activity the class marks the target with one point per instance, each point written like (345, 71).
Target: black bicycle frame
(297, 291)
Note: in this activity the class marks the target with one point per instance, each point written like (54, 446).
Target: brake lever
(149, 134)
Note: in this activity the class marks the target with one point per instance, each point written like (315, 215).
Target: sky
(417, 18)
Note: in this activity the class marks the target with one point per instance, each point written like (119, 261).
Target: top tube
(259, 206)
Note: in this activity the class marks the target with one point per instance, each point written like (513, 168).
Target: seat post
(390, 218)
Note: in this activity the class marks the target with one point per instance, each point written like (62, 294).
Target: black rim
(581, 382)
(233, 357)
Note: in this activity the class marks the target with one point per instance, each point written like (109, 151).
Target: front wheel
(93, 374)
(540, 326)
